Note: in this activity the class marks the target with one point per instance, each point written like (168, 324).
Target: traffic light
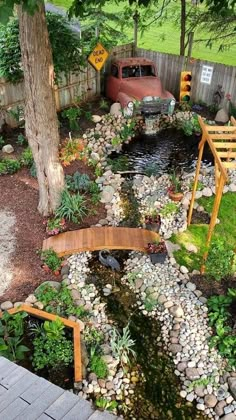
(185, 86)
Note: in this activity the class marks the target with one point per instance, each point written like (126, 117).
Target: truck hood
(139, 87)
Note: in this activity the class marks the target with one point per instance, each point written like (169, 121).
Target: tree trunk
(183, 27)
(41, 122)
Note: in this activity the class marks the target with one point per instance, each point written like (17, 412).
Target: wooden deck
(96, 238)
(25, 396)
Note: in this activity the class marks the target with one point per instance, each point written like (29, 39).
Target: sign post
(97, 59)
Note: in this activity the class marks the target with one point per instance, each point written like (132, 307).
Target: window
(114, 70)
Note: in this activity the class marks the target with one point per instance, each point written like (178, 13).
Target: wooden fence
(70, 88)
(84, 85)
(169, 67)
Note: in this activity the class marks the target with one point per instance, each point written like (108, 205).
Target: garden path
(7, 247)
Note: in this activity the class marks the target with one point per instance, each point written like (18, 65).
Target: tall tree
(40, 110)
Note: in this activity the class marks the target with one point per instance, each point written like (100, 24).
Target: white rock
(96, 118)
(8, 149)
(183, 269)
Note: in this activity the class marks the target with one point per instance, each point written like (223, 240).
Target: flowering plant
(155, 218)
(157, 247)
(54, 226)
(72, 150)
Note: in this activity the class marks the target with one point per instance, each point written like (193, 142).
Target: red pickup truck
(133, 82)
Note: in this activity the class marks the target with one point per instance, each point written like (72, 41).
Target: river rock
(183, 269)
(230, 416)
(191, 248)
(191, 286)
(95, 156)
(107, 194)
(54, 284)
(115, 109)
(176, 311)
(192, 373)
(222, 116)
(96, 118)
(6, 305)
(182, 366)
(199, 390)
(8, 149)
(139, 283)
(207, 192)
(219, 408)
(232, 386)
(175, 348)
(210, 400)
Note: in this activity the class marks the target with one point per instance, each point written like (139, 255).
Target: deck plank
(96, 238)
(16, 390)
(62, 405)
(81, 411)
(35, 410)
(13, 377)
(102, 415)
(13, 410)
(35, 391)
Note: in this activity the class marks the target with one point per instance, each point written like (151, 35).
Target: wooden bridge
(96, 238)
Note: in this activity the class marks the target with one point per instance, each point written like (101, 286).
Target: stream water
(157, 396)
(163, 152)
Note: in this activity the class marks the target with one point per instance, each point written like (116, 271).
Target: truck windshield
(138, 71)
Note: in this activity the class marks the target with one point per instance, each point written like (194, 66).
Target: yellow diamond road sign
(98, 57)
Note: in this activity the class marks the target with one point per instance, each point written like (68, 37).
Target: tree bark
(41, 122)
(183, 27)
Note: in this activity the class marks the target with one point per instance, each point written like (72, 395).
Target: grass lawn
(165, 38)
(196, 234)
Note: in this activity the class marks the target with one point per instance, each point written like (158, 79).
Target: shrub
(51, 347)
(66, 48)
(26, 158)
(72, 150)
(220, 259)
(72, 115)
(98, 366)
(11, 336)
(78, 182)
(9, 166)
(219, 314)
(50, 258)
(169, 209)
(59, 302)
(21, 140)
(72, 207)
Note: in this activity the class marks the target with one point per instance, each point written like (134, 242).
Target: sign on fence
(98, 57)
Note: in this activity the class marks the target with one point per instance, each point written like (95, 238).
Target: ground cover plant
(59, 302)
(51, 347)
(12, 335)
(222, 315)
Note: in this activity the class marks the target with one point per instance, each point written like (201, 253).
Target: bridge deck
(96, 238)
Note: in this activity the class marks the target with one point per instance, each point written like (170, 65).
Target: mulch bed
(19, 194)
(211, 287)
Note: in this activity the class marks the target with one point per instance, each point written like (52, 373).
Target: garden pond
(161, 153)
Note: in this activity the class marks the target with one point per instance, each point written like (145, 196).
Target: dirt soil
(19, 195)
